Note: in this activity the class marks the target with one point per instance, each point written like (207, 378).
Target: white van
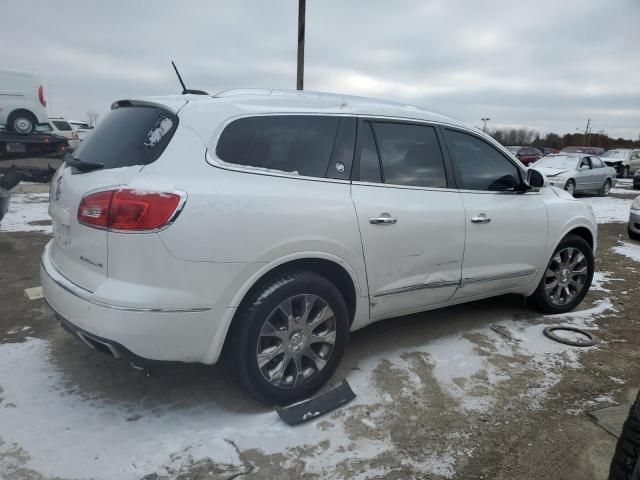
(22, 100)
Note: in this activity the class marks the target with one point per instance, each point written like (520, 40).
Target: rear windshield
(135, 135)
(61, 125)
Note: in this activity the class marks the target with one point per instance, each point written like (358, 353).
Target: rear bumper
(139, 334)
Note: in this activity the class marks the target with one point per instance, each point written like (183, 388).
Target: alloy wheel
(296, 341)
(607, 188)
(570, 187)
(566, 276)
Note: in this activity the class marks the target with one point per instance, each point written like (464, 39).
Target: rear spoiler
(172, 105)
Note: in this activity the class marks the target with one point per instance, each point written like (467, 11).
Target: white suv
(267, 225)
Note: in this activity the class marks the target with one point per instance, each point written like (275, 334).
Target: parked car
(577, 173)
(625, 160)
(634, 219)
(548, 151)
(526, 155)
(269, 224)
(636, 180)
(59, 126)
(5, 198)
(589, 150)
(22, 100)
(81, 127)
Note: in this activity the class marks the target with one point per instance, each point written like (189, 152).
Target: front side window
(479, 166)
(596, 162)
(410, 155)
(584, 163)
(298, 144)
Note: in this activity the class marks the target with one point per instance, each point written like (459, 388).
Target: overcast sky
(544, 64)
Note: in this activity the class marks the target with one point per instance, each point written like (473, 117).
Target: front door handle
(383, 221)
(482, 218)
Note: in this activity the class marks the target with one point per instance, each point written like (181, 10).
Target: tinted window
(299, 144)
(479, 166)
(410, 155)
(61, 125)
(129, 136)
(369, 162)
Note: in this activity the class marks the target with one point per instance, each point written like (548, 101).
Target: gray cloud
(546, 64)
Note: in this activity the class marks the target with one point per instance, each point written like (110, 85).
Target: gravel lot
(440, 394)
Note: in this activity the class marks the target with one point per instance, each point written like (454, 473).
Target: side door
(411, 217)
(598, 173)
(506, 228)
(584, 176)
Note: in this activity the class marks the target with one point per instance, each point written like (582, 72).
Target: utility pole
(485, 120)
(301, 15)
(586, 133)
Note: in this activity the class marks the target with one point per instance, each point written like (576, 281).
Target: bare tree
(92, 118)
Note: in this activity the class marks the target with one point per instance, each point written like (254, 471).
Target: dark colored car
(548, 151)
(526, 155)
(4, 202)
(589, 150)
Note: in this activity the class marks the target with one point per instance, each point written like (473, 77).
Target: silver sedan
(577, 173)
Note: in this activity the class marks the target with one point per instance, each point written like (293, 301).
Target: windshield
(558, 162)
(615, 154)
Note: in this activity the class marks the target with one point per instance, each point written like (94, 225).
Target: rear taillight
(43, 102)
(128, 209)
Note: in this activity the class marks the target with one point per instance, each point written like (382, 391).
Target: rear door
(411, 219)
(126, 140)
(506, 229)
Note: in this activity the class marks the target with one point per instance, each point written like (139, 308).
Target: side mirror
(535, 179)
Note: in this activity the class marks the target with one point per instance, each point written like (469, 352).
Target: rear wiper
(81, 164)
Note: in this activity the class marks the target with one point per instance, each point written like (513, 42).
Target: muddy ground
(529, 427)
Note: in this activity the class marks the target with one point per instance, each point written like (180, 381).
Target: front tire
(570, 187)
(605, 190)
(567, 278)
(289, 337)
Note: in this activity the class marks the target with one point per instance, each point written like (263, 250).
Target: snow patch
(155, 135)
(28, 212)
(609, 209)
(630, 250)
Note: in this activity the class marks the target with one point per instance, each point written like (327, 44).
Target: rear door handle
(383, 221)
(482, 218)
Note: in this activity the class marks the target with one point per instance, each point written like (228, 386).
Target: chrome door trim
(422, 286)
(492, 278)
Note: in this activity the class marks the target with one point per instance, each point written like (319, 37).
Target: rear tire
(304, 363)
(22, 122)
(570, 187)
(551, 297)
(605, 190)
(625, 464)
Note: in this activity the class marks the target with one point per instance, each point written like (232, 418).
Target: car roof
(295, 101)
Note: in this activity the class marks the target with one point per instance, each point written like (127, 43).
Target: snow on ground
(51, 426)
(628, 249)
(28, 212)
(609, 209)
(599, 279)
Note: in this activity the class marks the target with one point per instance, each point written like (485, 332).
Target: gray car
(634, 220)
(577, 173)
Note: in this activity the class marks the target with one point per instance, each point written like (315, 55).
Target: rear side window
(410, 155)
(132, 135)
(479, 166)
(299, 144)
(60, 125)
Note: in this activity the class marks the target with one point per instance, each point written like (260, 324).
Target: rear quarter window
(132, 135)
(62, 126)
(297, 144)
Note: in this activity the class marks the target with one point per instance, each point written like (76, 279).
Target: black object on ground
(625, 464)
(610, 418)
(591, 339)
(13, 175)
(4, 202)
(319, 405)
